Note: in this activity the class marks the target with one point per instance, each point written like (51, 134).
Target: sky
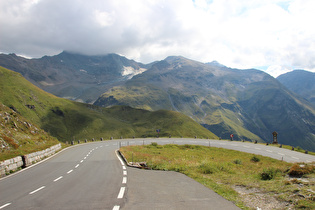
(276, 36)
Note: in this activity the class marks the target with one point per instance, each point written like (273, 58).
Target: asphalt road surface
(91, 176)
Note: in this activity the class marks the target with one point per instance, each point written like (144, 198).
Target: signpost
(275, 137)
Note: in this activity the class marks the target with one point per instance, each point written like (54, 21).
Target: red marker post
(231, 136)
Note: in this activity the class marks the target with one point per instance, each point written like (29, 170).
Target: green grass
(223, 170)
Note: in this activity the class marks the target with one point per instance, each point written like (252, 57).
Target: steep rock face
(300, 82)
(248, 103)
(77, 77)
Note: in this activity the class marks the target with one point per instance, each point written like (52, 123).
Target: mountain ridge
(246, 103)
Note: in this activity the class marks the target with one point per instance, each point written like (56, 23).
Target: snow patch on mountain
(130, 72)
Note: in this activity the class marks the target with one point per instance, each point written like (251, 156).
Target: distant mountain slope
(68, 120)
(300, 82)
(73, 76)
(248, 103)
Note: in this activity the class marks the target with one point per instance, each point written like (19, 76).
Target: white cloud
(240, 34)
(276, 70)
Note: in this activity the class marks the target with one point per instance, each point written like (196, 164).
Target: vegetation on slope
(19, 137)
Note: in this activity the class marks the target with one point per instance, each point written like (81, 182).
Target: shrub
(269, 173)
(255, 159)
(299, 170)
(237, 161)
(154, 144)
(207, 168)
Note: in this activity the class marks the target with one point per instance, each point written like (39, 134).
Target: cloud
(240, 34)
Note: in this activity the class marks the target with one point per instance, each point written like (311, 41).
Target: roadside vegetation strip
(234, 175)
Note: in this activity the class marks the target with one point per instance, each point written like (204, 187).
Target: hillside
(68, 120)
(19, 137)
(248, 103)
(74, 76)
(300, 82)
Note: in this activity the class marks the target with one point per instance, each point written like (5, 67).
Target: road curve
(90, 176)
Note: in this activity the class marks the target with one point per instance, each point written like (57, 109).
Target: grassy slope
(68, 120)
(18, 136)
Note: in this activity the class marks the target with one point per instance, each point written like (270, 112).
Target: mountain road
(92, 176)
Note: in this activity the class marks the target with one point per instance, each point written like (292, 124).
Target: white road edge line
(37, 190)
(5, 205)
(119, 158)
(116, 207)
(60, 177)
(121, 192)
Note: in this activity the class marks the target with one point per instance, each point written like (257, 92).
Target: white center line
(37, 190)
(125, 173)
(257, 148)
(121, 192)
(124, 167)
(69, 171)
(116, 207)
(5, 205)
(77, 166)
(81, 161)
(268, 150)
(295, 158)
(124, 181)
(84, 158)
(246, 146)
(281, 154)
(60, 177)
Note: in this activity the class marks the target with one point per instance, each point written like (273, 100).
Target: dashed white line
(69, 171)
(124, 167)
(77, 166)
(5, 205)
(84, 158)
(60, 177)
(295, 158)
(280, 154)
(246, 146)
(81, 161)
(268, 150)
(37, 190)
(116, 207)
(121, 192)
(124, 181)
(257, 148)
(125, 173)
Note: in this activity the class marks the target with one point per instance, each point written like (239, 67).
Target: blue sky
(272, 35)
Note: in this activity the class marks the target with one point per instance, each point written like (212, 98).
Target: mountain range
(247, 103)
